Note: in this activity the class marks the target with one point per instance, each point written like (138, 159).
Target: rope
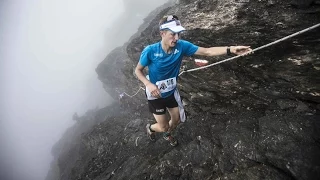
(131, 96)
(256, 49)
(235, 57)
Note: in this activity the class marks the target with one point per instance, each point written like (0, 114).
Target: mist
(48, 53)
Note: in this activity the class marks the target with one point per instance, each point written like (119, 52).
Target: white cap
(172, 24)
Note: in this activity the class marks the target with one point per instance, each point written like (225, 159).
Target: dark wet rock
(303, 3)
(256, 117)
(292, 140)
(286, 103)
(302, 107)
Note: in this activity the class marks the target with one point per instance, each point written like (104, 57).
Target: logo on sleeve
(176, 51)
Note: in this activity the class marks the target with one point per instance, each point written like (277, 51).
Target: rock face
(256, 117)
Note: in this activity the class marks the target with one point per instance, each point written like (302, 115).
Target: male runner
(164, 60)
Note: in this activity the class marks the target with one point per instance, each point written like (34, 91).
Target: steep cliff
(256, 117)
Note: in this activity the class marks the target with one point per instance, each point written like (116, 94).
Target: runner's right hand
(155, 92)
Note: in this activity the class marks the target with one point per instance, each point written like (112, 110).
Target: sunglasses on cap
(172, 23)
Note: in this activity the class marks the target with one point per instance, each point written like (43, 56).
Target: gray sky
(49, 50)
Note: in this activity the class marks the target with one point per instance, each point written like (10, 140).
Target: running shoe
(151, 135)
(167, 136)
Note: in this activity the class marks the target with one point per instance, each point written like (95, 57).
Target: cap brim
(177, 29)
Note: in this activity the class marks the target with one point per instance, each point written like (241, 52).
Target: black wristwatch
(228, 51)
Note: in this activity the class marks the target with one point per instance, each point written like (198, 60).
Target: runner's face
(170, 38)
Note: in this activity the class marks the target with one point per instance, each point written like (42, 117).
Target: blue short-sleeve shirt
(163, 66)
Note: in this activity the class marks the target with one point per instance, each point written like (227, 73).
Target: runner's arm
(155, 92)
(141, 76)
(216, 51)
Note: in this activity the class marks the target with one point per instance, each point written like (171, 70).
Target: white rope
(131, 96)
(235, 57)
(256, 49)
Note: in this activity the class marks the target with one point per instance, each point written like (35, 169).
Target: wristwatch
(228, 51)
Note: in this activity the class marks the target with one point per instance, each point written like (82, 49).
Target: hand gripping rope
(235, 57)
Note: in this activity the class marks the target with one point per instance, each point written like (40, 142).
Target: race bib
(164, 86)
(167, 85)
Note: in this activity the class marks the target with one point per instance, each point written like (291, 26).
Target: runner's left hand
(240, 50)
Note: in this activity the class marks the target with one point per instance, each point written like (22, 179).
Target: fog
(48, 53)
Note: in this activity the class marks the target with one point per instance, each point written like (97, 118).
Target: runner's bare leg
(162, 124)
(175, 118)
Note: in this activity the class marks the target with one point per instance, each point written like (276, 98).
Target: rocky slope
(256, 117)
